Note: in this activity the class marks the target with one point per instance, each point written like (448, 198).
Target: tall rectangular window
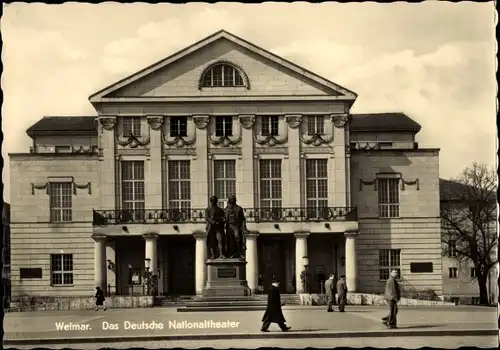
(473, 272)
(453, 272)
(316, 125)
(388, 198)
(179, 184)
(389, 259)
(178, 126)
(223, 126)
(61, 269)
(316, 187)
(270, 126)
(131, 126)
(224, 180)
(61, 196)
(133, 196)
(270, 183)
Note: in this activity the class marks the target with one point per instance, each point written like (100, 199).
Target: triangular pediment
(263, 73)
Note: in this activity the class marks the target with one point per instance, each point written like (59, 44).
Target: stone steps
(221, 308)
(229, 303)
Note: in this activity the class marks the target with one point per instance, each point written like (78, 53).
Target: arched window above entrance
(223, 74)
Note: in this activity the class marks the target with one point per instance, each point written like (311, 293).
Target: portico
(176, 258)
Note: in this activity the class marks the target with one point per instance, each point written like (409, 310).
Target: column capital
(351, 234)
(293, 120)
(301, 234)
(108, 122)
(150, 236)
(252, 235)
(200, 235)
(99, 237)
(201, 121)
(247, 120)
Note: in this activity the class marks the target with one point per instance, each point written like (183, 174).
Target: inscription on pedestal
(226, 272)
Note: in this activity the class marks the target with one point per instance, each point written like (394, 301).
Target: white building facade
(98, 195)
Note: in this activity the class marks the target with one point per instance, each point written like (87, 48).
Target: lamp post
(305, 261)
(147, 275)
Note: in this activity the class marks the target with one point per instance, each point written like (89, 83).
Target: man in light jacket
(392, 295)
(330, 292)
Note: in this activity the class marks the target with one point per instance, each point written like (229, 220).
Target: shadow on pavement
(307, 330)
(421, 326)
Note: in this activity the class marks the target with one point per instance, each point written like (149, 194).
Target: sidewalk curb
(273, 335)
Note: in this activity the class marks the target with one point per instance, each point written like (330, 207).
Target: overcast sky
(434, 61)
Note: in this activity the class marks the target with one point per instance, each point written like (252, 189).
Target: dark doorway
(272, 261)
(181, 268)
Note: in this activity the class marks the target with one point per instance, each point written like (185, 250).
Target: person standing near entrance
(330, 292)
(342, 293)
(273, 313)
(392, 295)
(99, 299)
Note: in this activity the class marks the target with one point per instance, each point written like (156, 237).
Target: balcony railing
(174, 216)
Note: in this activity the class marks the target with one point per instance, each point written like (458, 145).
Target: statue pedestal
(226, 277)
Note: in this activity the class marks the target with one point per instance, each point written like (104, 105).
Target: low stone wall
(78, 303)
(369, 299)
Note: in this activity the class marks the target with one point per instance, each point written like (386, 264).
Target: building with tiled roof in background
(98, 197)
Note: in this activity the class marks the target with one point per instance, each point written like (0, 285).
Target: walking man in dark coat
(99, 299)
(215, 229)
(342, 293)
(273, 313)
(392, 295)
(330, 292)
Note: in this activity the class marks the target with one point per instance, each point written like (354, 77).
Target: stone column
(100, 265)
(246, 193)
(300, 253)
(106, 144)
(154, 175)
(294, 183)
(339, 131)
(199, 174)
(200, 260)
(152, 251)
(351, 269)
(112, 269)
(252, 267)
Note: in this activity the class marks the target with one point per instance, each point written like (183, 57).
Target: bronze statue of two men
(225, 230)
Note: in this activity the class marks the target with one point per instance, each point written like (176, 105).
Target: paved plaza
(445, 342)
(307, 322)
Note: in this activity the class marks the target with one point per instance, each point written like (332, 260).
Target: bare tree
(469, 221)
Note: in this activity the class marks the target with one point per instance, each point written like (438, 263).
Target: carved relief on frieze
(271, 137)
(293, 120)
(339, 120)
(137, 137)
(314, 135)
(155, 122)
(179, 136)
(232, 138)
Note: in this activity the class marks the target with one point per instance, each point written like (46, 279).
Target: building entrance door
(181, 274)
(272, 262)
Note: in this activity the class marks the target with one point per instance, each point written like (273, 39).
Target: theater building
(99, 197)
